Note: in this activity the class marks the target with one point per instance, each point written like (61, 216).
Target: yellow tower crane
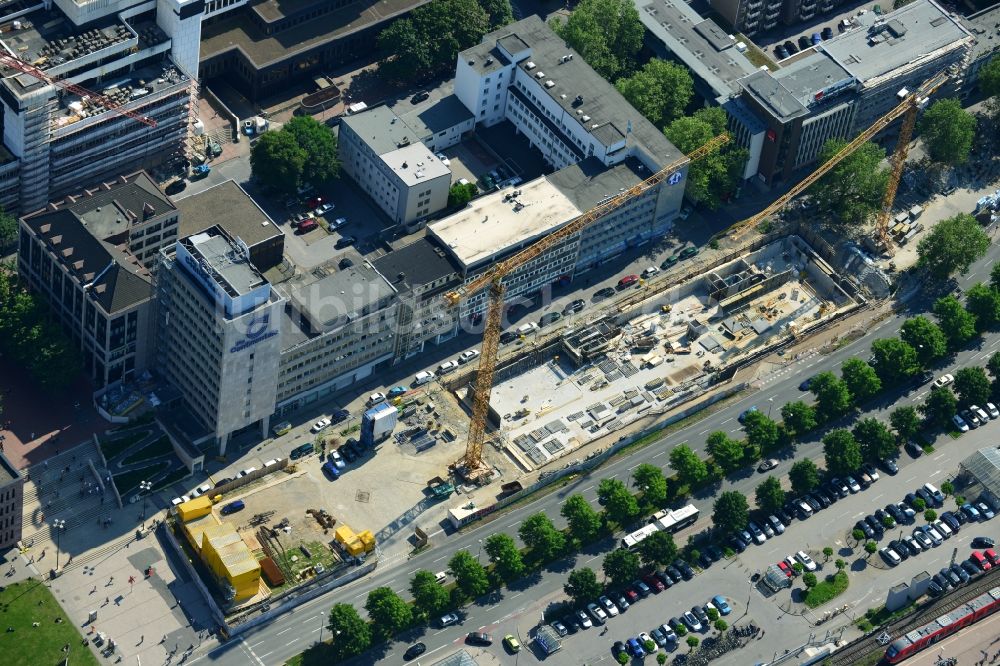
(471, 466)
(907, 108)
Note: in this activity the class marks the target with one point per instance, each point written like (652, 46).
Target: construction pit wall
(661, 352)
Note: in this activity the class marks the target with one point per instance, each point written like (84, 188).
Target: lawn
(127, 481)
(172, 478)
(827, 589)
(157, 448)
(30, 601)
(321, 554)
(114, 446)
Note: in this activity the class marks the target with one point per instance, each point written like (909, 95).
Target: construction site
(594, 380)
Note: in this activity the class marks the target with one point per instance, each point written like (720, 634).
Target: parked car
(983, 542)
(689, 251)
(992, 410)
(776, 524)
(609, 606)
(635, 649)
(686, 571)
(914, 449)
(302, 450)
(943, 380)
(232, 507)
(654, 583)
(397, 391)
(970, 568)
(607, 292)
(468, 355)
(574, 306)
(900, 549)
(549, 318)
(479, 638)
(866, 528)
(960, 423)
(953, 578)
(985, 511)
(852, 484)
(889, 556)
(721, 604)
(596, 612)
(936, 537)
(961, 573)
(375, 399)
(806, 561)
(943, 528)
(870, 470)
(980, 560)
(319, 425)
(511, 643)
(658, 637)
(583, 620)
(767, 465)
(840, 486)
(787, 570)
(691, 621)
(755, 531)
(414, 651)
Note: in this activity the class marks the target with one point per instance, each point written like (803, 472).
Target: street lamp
(144, 488)
(480, 553)
(58, 525)
(770, 404)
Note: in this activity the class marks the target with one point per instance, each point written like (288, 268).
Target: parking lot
(767, 41)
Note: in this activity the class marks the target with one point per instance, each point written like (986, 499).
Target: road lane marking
(284, 631)
(590, 487)
(657, 455)
(727, 421)
(704, 431)
(935, 473)
(290, 643)
(634, 466)
(877, 496)
(413, 572)
(910, 479)
(515, 524)
(939, 456)
(440, 558)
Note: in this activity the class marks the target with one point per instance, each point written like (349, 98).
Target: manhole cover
(362, 496)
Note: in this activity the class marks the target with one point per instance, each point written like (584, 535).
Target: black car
(479, 638)
(914, 449)
(949, 519)
(804, 42)
(875, 525)
(226, 479)
(889, 465)
(822, 498)
(738, 544)
(910, 548)
(607, 292)
(345, 263)
(784, 516)
(953, 578)
(978, 542)
(827, 33)
(866, 528)
(921, 378)
(704, 561)
(835, 491)
(348, 453)
(881, 515)
(419, 97)
(686, 571)
(345, 241)
(714, 552)
(700, 613)
(780, 51)
(910, 499)
(339, 416)
(549, 318)
(507, 337)
(674, 573)
(570, 624)
(943, 581)
(934, 589)
(926, 497)
(574, 306)
(960, 516)
(970, 568)
(812, 502)
(790, 47)
(414, 651)
(675, 624)
(900, 548)
(961, 573)
(896, 514)
(664, 578)
(176, 187)
(618, 649)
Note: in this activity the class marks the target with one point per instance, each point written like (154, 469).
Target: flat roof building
(984, 26)
(11, 504)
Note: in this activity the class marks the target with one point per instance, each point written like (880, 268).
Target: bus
(676, 520)
(632, 541)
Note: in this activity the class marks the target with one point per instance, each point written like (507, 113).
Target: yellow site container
(344, 534)
(368, 539)
(354, 547)
(195, 508)
(226, 554)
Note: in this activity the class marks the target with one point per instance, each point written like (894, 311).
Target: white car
(337, 459)
(854, 486)
(375, 398)
(319, 425)
(942, 528)
(776, 524)
(323, 209)
(609, 606)
(444, 159)
(806, 561)
(447, 367)
(338, 223)
(650, 272)
(992, 409)
(597, 613)
(890, 556)
(467, 356)
(943, 381)
(524, 329)
(960, 423)
(980, 412)
(423, 377)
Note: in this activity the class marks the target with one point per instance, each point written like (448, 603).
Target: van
(935, 493)
(423, 377)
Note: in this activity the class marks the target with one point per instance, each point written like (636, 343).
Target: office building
(140, 55)
(390, 163)
(90, 256)
(752, 16)
(11, 504)
(984, 25)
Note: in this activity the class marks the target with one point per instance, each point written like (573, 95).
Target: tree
(620, 505)
(894, 360)
(989, 77)
(607, 33)
(798, 417)
(948, 130)
(429, 41)
(827, 553)
(947, 487)
(804, 476)
(951, 246)
(691, 470)
(857, 534)
(833, 398)
(720, 625)
(809, 580)
(461, 194)
(842, 451)
(926, 338)
(762, 432)
(429, 596)
(541, 536)
(499, 11)
(972, 385)
(993, 365)
(930, 515)
(470, 575)
(861, 379)
(320, 145)
(939, 407)
(388, 612)
(621, 566)
(871, 547)
(841, 564)
(726, 451)
(650, 480)
(8, 229)
(350, 634)
(693, 642)
(714, 177)
(658, 548)
(584, 522)
(877, 441)
(852, 191)
(278, 160)
(660, 90)
(769, 495)
(957, 324)
(983, 303)
(730, 512)
(919, 504)
(905, 421)
(582, 586)
(506, 558)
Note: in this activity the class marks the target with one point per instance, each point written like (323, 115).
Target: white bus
(675, 521)
(631, 541)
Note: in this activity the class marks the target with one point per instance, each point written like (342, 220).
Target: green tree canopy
(983, 302)
(660, 90)
(470, 575)
(926, 338)
(621, 566)
(769, 495)
(730, 512)
(939, 407)
(852, 191)
(8, 228)
(320, 146)
(861, 379)
(989, 77)
(584, 521)
(955, 321)
(905, 421)
(607, 33)
(277, 159)
(429, 41)
(541, 536)
(895, 360)
(429, 596)
(876, 440)
(620, 505)
(658, 548)
(499, 11)
(691, 470)
(461, 194)
(972, 385)
(650, 480)
(948, 130)
(714, 177)
(833, 399)
(388, 612)
(952, 245)
(798, 417)
(762, 432)
(350, 635)
(582, 586)
(993, 365)
(508, 565)
(804, 476)
(726, 451)
(842, 451)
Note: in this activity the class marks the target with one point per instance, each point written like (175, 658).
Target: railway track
(875, 641)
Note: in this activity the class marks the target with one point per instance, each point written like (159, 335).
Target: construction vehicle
(440, 488)
(200, 171)
(908, 108)
(471, 466)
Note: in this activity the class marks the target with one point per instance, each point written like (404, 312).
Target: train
(662, 521)
(943, 626)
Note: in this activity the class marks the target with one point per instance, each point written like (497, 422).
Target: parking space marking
(938, 457)
(910, 479)
(876, 497)
(935, 473)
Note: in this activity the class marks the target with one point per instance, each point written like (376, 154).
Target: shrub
(827, 590)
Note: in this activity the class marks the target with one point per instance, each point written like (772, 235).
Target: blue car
(635, 649)
(743, 414)
(331, 470)
(396, 391)
(233, 507)
(720, 603)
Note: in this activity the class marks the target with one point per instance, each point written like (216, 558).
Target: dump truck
(440, 488)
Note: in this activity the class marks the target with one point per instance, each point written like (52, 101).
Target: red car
(787, 569)
(654, 583)
(980, 561)
(632, 595)
(992, 556)
(628, 281)
(314, 202)
(307, 225)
